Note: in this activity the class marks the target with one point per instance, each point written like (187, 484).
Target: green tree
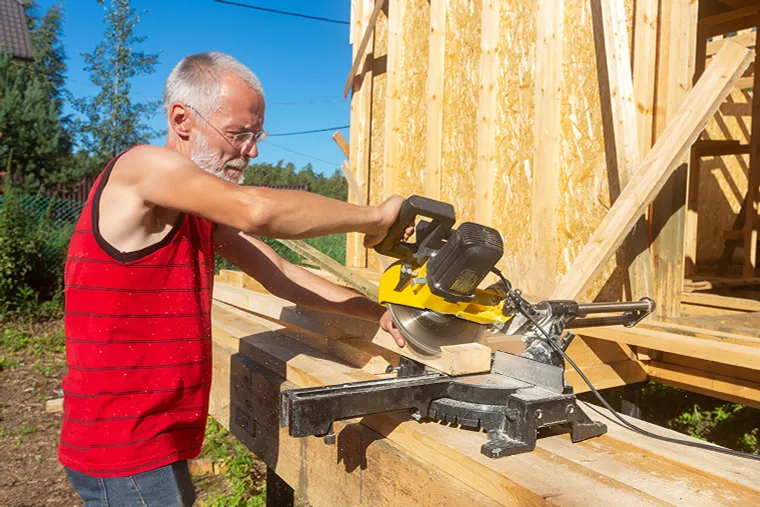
(111, 122)
(46, 33)
(265, 174)
(29, 123)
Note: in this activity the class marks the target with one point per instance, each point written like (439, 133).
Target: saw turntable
(433, 295)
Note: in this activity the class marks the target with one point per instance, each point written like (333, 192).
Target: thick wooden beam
(645, 29)
(677, 50)
(485, 168)
(717, 301)
(621, 129)
(434, 98)
(731, 21)
(701, 104)
(550, 16)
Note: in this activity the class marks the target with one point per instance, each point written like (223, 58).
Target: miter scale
(433, 296)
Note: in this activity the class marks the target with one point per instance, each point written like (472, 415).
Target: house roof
(14, 35)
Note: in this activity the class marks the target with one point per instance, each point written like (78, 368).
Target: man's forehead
(239, 102)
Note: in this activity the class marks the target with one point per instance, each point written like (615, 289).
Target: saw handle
(443, 219)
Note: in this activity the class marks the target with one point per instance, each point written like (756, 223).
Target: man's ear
(179, 119)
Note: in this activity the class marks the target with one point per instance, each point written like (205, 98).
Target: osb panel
(412, 88)
(377, 141)
(584, 190)
(723, 180)
(460, 106)
(514, 119)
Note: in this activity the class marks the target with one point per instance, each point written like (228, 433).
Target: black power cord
(607, 405)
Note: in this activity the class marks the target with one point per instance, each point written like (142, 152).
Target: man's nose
(250, 150)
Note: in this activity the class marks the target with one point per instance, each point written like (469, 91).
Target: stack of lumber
(263, 345)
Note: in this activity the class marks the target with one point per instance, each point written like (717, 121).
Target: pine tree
(110, 122)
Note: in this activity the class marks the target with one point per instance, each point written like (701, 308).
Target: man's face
(241, 110)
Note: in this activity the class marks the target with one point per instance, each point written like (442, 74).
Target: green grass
(242, 470)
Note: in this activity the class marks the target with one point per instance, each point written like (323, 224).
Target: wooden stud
(621, 129)
(753, 193)
(646, 25)
(342, 143)
(550, 16)
(360, 52)
(485, 168)
(54, 406)
(700, 105)
(434, 97)
(677, 51)
(732, 21)
(396, 9)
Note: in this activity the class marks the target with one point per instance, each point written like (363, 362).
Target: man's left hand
(386, 322)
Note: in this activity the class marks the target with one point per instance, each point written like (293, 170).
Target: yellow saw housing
(485, 308)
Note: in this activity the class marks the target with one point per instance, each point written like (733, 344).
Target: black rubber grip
(441, 213)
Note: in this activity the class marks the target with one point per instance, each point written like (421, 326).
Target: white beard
(207, 160)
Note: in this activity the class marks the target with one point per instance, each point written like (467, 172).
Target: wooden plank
(677, 50)
(701, 104)
(720, 147)
(605, 376)
(454, 360)
(434, 99)
(710, 350)
(706, 311)
(711, 464)
(724, 335)
(332, 266)
(732, 21)
(353, 185)
(621, 128)
(745, 37)
(706, 382)
(525, 479)
(360, 53)
(692, 191)
(753, 193)
(392, 163)
(54, 406)
(645, 28)
(550, 17)
(733, 303)
(485, 167)
(361, 111)
(342, 143)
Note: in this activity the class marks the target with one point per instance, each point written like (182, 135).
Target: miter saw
(433, 295)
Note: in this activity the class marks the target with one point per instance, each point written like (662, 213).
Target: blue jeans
(168, 486)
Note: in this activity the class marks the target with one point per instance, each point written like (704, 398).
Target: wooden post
(361, 119)
(678, 27)
(620, 128)
(279, 493)
(544, 235)
(692, 190)
(485, 168)
(432, 176)
(753, 198)
(396, 10)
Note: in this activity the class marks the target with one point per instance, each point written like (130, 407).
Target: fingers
(398, 337)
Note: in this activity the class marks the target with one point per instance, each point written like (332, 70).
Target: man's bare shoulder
(145, 160)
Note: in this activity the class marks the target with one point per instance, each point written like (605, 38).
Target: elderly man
(139, 275)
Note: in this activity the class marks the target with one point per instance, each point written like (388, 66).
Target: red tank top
(138, 347)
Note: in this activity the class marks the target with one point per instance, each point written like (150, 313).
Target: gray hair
(196, 80)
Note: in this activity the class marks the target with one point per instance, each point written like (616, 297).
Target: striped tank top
(138, 346)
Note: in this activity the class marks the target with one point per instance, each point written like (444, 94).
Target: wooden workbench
(389, 459)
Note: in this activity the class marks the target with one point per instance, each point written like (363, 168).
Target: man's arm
(296, 284)
(165, 178)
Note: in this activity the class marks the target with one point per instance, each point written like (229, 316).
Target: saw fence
(263, 345)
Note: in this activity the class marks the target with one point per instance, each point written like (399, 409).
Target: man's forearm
(312, 291)
(293, 214)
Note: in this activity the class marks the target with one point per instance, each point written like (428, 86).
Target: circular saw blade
(427, 331)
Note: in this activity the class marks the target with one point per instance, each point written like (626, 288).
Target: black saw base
(510, 410)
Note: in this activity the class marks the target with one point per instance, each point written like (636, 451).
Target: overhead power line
(275, 11)
(304, 155)
(330, 129)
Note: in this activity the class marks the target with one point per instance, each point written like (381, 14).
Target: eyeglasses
(238, 141)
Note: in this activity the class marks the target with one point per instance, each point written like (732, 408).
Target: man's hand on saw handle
(389, 210)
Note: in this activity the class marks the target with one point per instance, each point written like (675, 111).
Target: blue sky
(297, 60)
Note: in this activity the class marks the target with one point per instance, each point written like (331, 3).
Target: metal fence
(40, 207)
